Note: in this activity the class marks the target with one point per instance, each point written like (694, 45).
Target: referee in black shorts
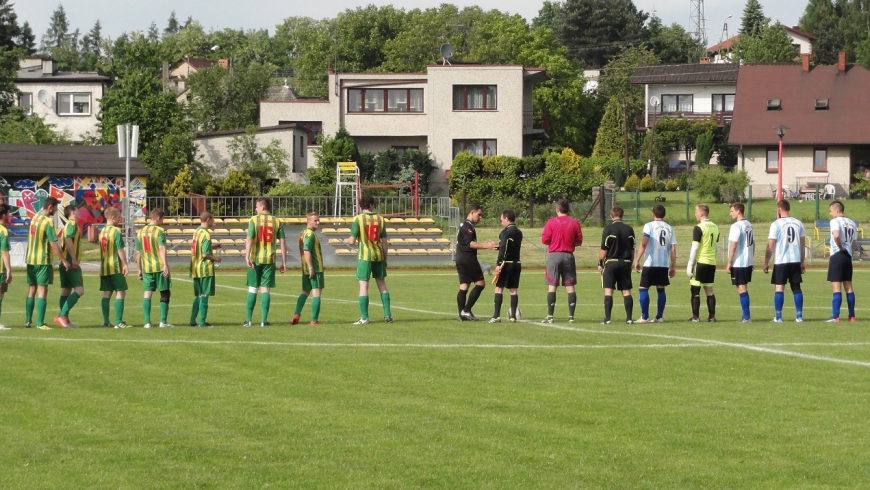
(614, 263)
(467, 265)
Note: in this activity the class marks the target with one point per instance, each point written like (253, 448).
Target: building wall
(798, 159)
(76, 127)
(216, 153)
(702, 99)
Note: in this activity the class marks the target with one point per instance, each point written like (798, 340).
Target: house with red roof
(721, 51)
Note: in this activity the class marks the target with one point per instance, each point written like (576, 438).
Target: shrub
(682, 181)
(660, 186)
(671, 185)
(646, 184)
(720, 185)
(632, 183)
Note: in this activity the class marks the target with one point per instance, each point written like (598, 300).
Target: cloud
(61, 182)
(24, 184)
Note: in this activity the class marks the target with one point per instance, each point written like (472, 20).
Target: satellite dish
(654, 101)
(42, 96)
(446, 53)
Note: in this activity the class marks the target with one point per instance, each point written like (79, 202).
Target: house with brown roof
(184, 68)
(825, 109)
(721, 52)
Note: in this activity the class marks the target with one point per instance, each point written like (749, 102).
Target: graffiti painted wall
(91, 194)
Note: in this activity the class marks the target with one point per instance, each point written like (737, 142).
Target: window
(772, 159)
(481, 148)
(302, 146)
(314, 128)
(385, 100)
(774, 104)
(820, 159)
(474, 97)
(402, 149)
(25, 102)
(678, 103)
(723, 102)
(74, 104)
(822, 104)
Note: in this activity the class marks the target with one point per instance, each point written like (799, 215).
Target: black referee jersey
(466, 234)
(618, 240)
(510, 241)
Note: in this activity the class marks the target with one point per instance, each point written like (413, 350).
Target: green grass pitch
(431, 402)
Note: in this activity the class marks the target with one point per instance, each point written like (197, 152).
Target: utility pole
(625, 139)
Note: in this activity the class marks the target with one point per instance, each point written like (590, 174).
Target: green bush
(660, 186)
(720, 185)
(682, 181)
(671, 185)
(646, 184)
(632, 183)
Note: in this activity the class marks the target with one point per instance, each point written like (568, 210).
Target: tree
(610, 141)
(673, 44)
(91, 50)
(153, 33)
(726, 154)
(223, 99)
(753, 20)
(172, 26)
(27, 40)
(547, 15)
(596, 30)
(704, 148)
(260, 163)
(10, 56)
(822, 19)
(18, 128)
(57, 31)
(771, 45)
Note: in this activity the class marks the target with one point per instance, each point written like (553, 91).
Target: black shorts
(741, 276)
(787, 274)
(654, 276)
(704, 273)
(509, 277)
(617, 275)
(840, 267)
(469, 272)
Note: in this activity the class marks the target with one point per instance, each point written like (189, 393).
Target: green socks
(164, 312)
(41, 304)
(71, 301)
(146, 310)
(315, 309)
(194, 310)
(385, 299)
(104, 305)
(203, 309)
(364, 307)
(252, 301)
(63, 302)
(119, 311)
(266, 302)
(28, 309)
(300, 303)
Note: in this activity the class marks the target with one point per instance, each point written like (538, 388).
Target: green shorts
(154, 281)
(203, 286)
(261, 276)
(115, 282)
(40, 275)
(3, 285)
(319, 282)
(70, 279)
(366, 269)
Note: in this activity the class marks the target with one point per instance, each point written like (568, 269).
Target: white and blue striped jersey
(742, 234)
(788, 233)
(661, 238)
(846, 228)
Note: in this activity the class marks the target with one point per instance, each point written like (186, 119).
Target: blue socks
(836, 303)
(850, 300)
(744, 303)
(778, 300)
(644, 303)
(798, 304)
(661, 300)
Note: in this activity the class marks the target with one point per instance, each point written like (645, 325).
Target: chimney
(805, 62)
(49, 67)
(705, 61)
(841, 61)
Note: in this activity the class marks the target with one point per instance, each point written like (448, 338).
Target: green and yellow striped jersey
(308, 242)
(4, 246)
(148, 242)
(706, 234)
(111, 241)
(39, 240)
(199, 248)
(265, 230)
(368, 228)
(74, 233)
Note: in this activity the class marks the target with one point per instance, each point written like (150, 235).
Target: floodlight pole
(780, 131)
(128, 146)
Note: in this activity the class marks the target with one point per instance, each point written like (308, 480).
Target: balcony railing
(535, 120)
(721, 117)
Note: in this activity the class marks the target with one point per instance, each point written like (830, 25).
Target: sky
(121, 16)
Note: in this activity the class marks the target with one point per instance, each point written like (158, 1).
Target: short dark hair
(563, 206)
(839, 205)
(67, 210)
(49, 202)
(205, 216)
(267, 203)
(784, 205)
(509, 215)
(617, 212)
(659, 211)
(738, 206)
(4, 210)
(473, 207)
(367, 202)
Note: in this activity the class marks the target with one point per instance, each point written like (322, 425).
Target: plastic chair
(829, 191)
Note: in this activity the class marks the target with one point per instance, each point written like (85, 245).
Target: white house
(215, 151)
(721, 52)
(483, 109)
(68, 100)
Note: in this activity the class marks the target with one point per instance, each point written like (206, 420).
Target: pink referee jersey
(562, 234)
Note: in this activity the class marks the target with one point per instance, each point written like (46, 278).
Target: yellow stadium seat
(173, 231)
(427, 241)
(412, 221)
(438, 251)
(335, 241)
(404, 251)
(296, 221)
(170, 221)
(427, 221)
(189, 231)
(218, 220)
(221, 231)
(436, 231)
(345, 251)
(443, 241)
(239, 241)
(418, 230)
(185, 221)
(170, 253)
(183, 251)
(419, 251)
(411, 241)
(344, 231)
(404, 230)
(139, 221)
(244, 220)
(227, 241)
(392, 230)
(329, 231)
(238, 231)
(394, 241)
(231, 220)
(395, 220)
(233, 251)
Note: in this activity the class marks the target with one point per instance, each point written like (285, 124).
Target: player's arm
(56, 248)
(161, 249)
(68, 242)
(644, 242)
(697, 236)
(803, 254)
(249, 242)
(7, 264)
(354, 232)
(835, 237)
(283, 242)
(768, 253)
(502, 248)
(578, 238)
(732, 252)
(122, 257)
(546, 235)
(673, 271)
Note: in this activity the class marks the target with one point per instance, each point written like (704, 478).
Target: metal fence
(637, 205)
